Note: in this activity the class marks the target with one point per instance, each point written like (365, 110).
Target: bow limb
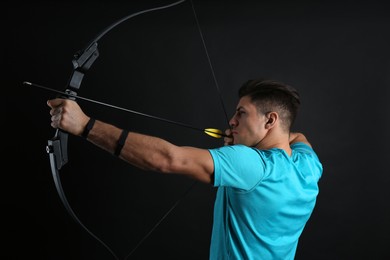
(57, 146)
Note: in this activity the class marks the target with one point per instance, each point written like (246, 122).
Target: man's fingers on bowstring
(228, 132)
(229, 139)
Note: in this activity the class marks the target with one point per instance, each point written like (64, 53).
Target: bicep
(193, 162)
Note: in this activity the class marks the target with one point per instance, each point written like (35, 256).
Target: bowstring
(210, 63)
(227, 120)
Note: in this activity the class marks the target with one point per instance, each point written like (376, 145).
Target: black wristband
(88, 128)
(121, 142)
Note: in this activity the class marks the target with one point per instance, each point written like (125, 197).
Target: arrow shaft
(121, 108)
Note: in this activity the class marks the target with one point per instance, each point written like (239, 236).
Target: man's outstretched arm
(143, 151)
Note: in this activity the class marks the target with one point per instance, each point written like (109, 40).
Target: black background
(335, 53)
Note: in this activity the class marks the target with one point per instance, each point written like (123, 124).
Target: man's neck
(275, 140)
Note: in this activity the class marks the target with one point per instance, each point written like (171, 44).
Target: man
(267, 177)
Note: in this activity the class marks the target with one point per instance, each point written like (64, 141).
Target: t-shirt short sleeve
(233, 159)
(313, 164)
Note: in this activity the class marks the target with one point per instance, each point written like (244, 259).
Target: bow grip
(57, 148)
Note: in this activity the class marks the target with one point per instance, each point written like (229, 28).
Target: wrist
(88, 127)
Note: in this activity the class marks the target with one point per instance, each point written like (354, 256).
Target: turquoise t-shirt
(264, 200)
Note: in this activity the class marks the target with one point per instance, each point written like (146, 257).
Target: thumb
(54, 102)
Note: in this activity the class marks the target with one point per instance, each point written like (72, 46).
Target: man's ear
(272, 118)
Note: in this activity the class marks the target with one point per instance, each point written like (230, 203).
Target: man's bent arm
(298, 137)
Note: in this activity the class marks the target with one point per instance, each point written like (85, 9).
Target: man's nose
(233, 122)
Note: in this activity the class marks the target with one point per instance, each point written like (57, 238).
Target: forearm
(142, 151)
(298, 137)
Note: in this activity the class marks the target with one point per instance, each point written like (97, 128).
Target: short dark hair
(273, 96)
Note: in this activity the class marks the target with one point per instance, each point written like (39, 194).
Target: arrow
(213, 132)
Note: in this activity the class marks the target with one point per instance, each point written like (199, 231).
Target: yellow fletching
(213, 132)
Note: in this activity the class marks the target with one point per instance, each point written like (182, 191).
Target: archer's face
(248, 125)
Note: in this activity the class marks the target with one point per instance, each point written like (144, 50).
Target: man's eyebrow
(240, 108)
